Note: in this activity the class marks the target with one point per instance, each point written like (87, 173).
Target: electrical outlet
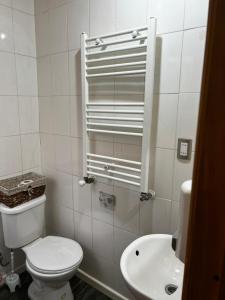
(107, 200)
(184, 149)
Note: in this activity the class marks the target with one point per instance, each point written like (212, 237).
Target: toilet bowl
(51, 261)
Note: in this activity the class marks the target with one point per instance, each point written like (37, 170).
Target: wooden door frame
(205, 258)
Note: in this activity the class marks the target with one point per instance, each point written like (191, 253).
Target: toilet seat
(54, 255)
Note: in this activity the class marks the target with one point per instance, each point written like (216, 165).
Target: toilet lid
(54, 255)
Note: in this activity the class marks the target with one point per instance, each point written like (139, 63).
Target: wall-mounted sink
(151, 269)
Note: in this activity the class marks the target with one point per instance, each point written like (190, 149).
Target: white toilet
(51, 261)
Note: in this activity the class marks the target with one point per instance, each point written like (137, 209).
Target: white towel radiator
(128, 53)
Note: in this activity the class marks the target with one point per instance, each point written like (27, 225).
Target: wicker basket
(20, 189)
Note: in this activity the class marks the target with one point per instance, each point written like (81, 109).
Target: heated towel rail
(127, 53)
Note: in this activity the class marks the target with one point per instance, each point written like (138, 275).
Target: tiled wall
(76, 212)
(19, 117)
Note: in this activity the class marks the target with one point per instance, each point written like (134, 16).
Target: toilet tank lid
(22, 207)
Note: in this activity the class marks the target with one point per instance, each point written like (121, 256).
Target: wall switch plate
(184, 148)
(107, 200)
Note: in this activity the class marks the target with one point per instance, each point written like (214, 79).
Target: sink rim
(125, 255)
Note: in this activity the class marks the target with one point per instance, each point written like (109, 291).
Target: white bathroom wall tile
(98, 210)
(84, 230)
(58, 29)
(63, 223)
(168, 59)
(8, 84)
(10, 155)
(40, 6)
(122, 239)
(26, 68)
(78, 21)
(126, 151)
(192, 60)
(75, 72)
(60, 74)
(169, 14)
(61, 115)
(29, 114)
(42, 33)
(196, 13)
(164, 120)
(102, 23)
(6, 2)
(182, 172)
(127, 210)
(161, 216)
(76, 116)
(24, 5)
(6, 25)
(47, 150)
(55, 3)
(163, 173)
(81, 197)
(24, 33)
(103, 239)
(44, 76)
(9, 116)
(30, 151)
(46, 114)
(131, 15)
(188, 116)
(77, 159)
(146, 211)
(174, 217)
(63, 190)
(63, 154)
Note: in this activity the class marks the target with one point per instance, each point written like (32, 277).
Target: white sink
(149, 264)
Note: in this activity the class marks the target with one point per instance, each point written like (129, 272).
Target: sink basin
(151, 269)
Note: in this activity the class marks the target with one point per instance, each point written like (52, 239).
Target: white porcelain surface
(29, 114)
(82, 197)
(136, 17)
(169, 14)
(58, 27)
(127, 209)
(24, 33)
(83, 230)
(24, 5)
(10, 155)
(30, 151)
(196, 13)
(44, 76)
(26, 68)
(8, 84)
(60, 79)
(61, 115)
(161, 216)
(102, 23)
(168, 59)
(78, 21)
(6, 25)
(192, 60)
(9, 106)
(18, 223)
(163, 170)
(148, 273)
(67, 254)
(188, 116)
(165, 117)
(103, 239)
